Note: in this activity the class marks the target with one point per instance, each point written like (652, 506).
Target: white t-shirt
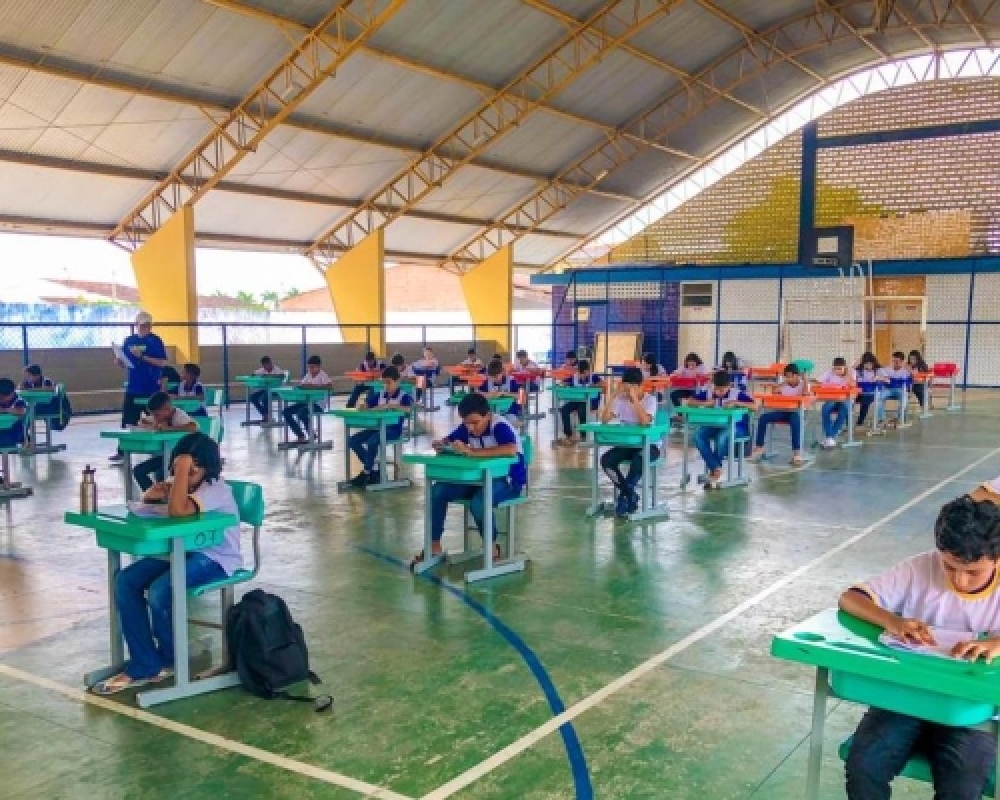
(319, 379)
(177, 420)
(792, 391)
(218, 496)
(275, 370)
(831, 378)
(623, 410)
(897, 374)
(918, 588)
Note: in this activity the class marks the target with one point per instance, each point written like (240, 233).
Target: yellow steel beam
(679, 107)
(666, 66)
(317, 57)
(291, 25)
(615, 23)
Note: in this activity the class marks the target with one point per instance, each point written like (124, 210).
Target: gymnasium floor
(654, 638)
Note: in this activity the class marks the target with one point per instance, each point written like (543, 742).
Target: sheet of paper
(122, 356)
(141, 509)
(945, 639)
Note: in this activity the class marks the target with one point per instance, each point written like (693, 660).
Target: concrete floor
(443, 691)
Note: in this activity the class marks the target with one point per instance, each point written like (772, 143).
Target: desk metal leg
(925, 406)
(952, 405)
(129, 479)
(820, 695)
(685, 443)
(596, 506)
(276, 421)
(345, 484)
(647, 510)
(8, 488)
(429, 561)
(851, 441)
(491, 569)
(116, 646)
(383, 476)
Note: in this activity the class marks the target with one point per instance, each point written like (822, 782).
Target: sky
(23, 255)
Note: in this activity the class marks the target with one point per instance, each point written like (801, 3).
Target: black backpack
(267, 648)
(65, 413)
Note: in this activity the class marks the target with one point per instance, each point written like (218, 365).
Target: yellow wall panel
(357, 287)
(489, 294)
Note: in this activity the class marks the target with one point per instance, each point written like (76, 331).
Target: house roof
(100, 99)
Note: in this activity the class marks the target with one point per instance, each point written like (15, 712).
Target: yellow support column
(165, 273)
(489, 294)
(357, 287)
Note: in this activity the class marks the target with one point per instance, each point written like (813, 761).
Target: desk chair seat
(250, 502)
(918, 768)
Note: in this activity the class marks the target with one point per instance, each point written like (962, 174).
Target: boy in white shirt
(297, 414)
(792, 384)
(365, 443)
(631, 406)
(837, 413)
(142, 589)
(471, 359)
(953, 588)
(160, 415)
(259, 397)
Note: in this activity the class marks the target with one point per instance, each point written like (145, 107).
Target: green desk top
(8, 421)
(625, 435)
(138, 440)
(37, 395)
(500, 405)
(460, 469)
(576, 392)
(183, 403)
(705, 415)
(260, 380)
(862, 670)
(304, 393)
(120, 530)
(367, 417)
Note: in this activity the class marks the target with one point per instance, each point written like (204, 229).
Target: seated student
(950, 589)
(897, 370)
(837, 413)
(160, 415)
(792, 384)
(169, 379)
(297, 414)
(649, 367)
(631, 406)
(10, 403)
(427, 367)
(142, 589)
(713, 441)
(34, 379)
(471, 359)
(482, 434)
(915, 363)
(693, 367)
(191, 386)
(734, 366)
(259, 397)
(500, 385)
(583, 377)
(867, 371)
(523, 362)
(370, 364)
(364, 444)
(570, 361)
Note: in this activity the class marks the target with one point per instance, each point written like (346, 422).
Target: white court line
(516, 748)
(367, 790)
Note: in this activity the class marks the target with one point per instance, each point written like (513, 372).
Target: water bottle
(88, 491)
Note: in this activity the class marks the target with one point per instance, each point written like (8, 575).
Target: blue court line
(574, 750)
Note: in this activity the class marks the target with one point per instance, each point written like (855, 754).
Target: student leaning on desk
(950, 589)
(142, 589)
(160, 416)
(631, 405)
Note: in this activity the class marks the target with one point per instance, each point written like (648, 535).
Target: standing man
(147, 357)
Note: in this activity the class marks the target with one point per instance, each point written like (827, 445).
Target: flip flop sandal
(122, 683)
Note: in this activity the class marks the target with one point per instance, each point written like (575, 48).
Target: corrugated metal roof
(240, 215)
(423, 236)
(62, 195)
(543, 144)
(540, 250)
(475, 192)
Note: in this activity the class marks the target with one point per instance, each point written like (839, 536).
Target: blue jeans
(794, 424)
(142, 591)
(713, 444)
(364, 444)
(143, 470)
(296, 416)
(961, 758)
(442, 494)
(358, 390)
(835, 417)
(898, 395)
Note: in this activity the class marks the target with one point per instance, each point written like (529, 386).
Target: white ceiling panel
(241, 215)
(60, 194)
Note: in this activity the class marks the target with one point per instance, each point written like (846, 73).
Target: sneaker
(374, 477)
(830, 443)
(621, 505)
(360, 480)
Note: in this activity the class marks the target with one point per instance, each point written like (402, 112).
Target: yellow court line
(529, 740)
(367, 790)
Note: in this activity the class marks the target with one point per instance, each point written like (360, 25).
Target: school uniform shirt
(45, 384)
(867, 375)
(196, 389)
(623, 410)
(367, 366)
(472, 361)
(688, 372)
(426, 364)
(383, 398)
(275, 371)
(499, 433)
(143, 377)
(903, 373)
(507, 386)
(407, 372)
(218, 496)
(831, 378)
(319, 379)
(177, 420)
(788, 390)
(519, 367)
(661, 371)
(49, 406)
(918, 588)
(734, 395)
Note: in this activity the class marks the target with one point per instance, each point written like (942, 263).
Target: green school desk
(32, 399)
(9, 489)
(310, 397)
(637, 436)
(185, 404)
(267, 384)
(570, 394)
(852, 665)
(371, 420)
(468, 471)
(119, 531)
(147, 442)
(704, 416)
